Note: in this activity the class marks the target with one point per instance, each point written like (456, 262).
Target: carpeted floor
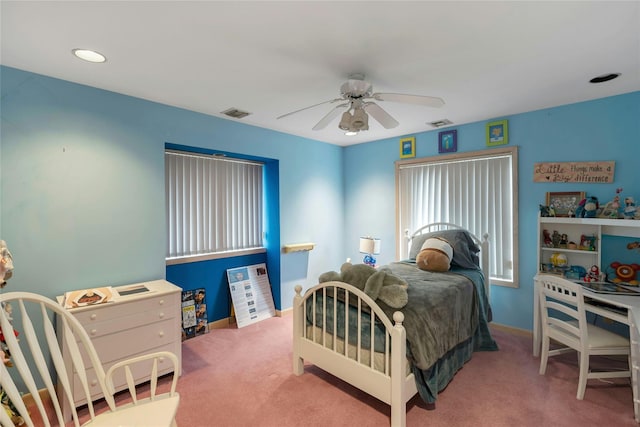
(243, 377)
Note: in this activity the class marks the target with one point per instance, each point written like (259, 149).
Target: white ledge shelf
(297, 247)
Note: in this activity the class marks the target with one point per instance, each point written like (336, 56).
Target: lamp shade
(360, 120)
(369, 245)
(345, 122)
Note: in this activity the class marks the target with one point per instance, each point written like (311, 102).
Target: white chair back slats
(38, 361)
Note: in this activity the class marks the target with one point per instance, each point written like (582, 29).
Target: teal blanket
(437, 316)
(442, 332)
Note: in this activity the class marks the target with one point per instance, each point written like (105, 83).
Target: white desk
(632, 318)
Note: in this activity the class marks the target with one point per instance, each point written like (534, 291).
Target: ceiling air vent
(235, 113)
(441, 123)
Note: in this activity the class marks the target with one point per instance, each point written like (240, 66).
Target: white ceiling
(485, 59)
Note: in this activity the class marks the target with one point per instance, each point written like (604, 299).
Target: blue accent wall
(82, 187)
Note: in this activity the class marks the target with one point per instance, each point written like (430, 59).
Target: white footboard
(381, 372)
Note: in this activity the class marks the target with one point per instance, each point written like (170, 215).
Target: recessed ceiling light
(604, 78)
(351, 133)
(89, 55)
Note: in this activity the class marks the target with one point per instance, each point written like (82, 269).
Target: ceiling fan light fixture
(345, 122)
(360, 120)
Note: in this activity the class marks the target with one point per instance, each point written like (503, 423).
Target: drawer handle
(94, 382)
(161, 302)
(161, 334)
(94, 331)
(94, 316)
(161, 315)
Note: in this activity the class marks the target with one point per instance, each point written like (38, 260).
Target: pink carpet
(243, 377)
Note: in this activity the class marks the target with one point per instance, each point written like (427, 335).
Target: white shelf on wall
(575, 228)
(297, 247)
(611, 227)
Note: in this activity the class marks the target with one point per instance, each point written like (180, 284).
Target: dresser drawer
(122, 345)
(165, 303)
(122, 323)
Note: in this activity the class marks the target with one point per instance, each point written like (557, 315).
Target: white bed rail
(382, 374)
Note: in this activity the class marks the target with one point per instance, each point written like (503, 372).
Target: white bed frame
(392, 382)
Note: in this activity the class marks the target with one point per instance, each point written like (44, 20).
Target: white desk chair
(558, 295)
(37, 359)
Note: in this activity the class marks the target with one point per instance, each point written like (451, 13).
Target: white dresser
(131, 325)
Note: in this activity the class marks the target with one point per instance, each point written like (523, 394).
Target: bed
(394, 354)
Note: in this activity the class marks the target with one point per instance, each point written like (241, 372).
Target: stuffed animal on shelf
(435, 255)
(547, 211)
(588, 207)
(378, 284)
(630, 208)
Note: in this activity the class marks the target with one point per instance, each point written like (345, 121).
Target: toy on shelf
(625, 273)
(587, 207)
(593, 275)
(559, 260)
(547, 211)
(575, 272)
(546, 236)
(612, 209)
(587, 243)
(630, 210)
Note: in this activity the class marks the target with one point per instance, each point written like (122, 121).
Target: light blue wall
(82, 183)
(604, 129)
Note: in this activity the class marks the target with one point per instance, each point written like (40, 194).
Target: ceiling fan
(358, 96)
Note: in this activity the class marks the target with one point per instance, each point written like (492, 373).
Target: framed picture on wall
(408, 147)
(497, 133)
(448, 141)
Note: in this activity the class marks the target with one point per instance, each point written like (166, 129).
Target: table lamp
(369, 246)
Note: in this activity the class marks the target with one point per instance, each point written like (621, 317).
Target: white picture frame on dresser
(133, 324)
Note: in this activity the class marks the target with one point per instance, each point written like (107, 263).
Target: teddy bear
(435, 255)
(378, 284)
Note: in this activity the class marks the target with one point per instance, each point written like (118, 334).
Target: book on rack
(85, 297)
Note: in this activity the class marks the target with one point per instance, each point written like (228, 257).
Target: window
(476, 190)
(214, 206)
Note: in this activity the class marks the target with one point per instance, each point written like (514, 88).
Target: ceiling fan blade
(329, 117)
(429, 101)
(311, 106)
(380, 115)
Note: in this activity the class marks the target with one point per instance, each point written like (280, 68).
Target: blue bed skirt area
(431, 381)
(436, 377)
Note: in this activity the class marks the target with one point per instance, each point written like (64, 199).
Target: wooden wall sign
(585, 172)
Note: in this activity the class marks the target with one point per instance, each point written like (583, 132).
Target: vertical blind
(213, 204)
(473, 192)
